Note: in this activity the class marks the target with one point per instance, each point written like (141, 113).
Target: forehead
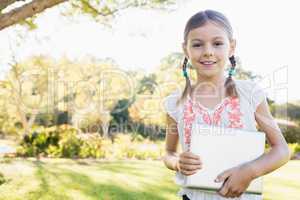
(208, 31)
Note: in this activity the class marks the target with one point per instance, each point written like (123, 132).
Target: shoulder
(173, 97)
(175, 94)
(248, 86)
(252, 91)
(170, 103)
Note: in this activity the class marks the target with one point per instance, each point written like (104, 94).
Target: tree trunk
(28, 10)
(27, 124)
(6, 3)
(105, 127)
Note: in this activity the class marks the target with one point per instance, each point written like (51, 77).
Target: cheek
(224, 55)
(193, 52)
(194, 57)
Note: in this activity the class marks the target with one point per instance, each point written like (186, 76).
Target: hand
(235, 181)
(188, 163)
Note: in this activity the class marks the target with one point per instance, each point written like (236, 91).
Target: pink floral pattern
(192, 109)
(235, 114)
(189, 117)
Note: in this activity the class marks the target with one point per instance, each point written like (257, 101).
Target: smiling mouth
(208, 63)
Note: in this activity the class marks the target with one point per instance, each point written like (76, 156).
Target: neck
(217, 81)
(210, 85)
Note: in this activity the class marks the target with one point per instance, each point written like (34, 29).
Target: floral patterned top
(231, 112)
(191, 109)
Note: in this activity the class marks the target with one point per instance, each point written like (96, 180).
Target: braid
(188, 86)
(184, 66)
(229, 83)
(232, 61)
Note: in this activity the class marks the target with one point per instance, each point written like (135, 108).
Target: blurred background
(83, 82)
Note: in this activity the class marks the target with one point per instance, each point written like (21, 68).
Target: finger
(230, 193)
(223, 176)
(189, 167)
(190, 155)
(239, 194)
(188, 173)
(224, 190)
(236, 194)
(190, 161)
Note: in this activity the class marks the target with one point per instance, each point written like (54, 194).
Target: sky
(266, 32)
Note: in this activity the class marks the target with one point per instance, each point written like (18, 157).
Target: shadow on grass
(71, 180)
(44, 189)
(136, 168)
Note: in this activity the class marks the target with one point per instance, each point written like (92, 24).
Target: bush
(37, 143)
(297, 148)
(292, 134)
(68, 143)
(53, 151)
(93, 147)
(50, 142)
(137, 137)
(2, 179)
(294, 149)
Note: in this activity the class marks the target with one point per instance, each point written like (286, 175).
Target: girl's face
(208, 49)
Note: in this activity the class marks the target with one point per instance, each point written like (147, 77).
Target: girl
(219, 101)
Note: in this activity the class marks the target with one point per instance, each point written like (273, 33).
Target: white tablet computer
(221, 149)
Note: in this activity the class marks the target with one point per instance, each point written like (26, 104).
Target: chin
(209, 73)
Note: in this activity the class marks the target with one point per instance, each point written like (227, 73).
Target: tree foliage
(24, 12)
(94, 95)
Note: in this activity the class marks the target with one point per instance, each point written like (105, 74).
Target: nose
(208, 51)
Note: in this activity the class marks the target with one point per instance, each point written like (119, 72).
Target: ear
(184, 48)
(232, 47)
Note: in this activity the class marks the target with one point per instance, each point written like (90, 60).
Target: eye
(218, 43)
(197, 45)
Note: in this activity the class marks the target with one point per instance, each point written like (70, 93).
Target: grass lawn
(65, 179)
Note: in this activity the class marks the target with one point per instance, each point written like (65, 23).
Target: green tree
(26, 88)
(98, 9)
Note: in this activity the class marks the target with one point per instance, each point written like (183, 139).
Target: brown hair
(196, 21)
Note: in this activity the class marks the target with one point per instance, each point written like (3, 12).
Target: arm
(186, 162)
(279, 153)
(171, 157)
(240, 177)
